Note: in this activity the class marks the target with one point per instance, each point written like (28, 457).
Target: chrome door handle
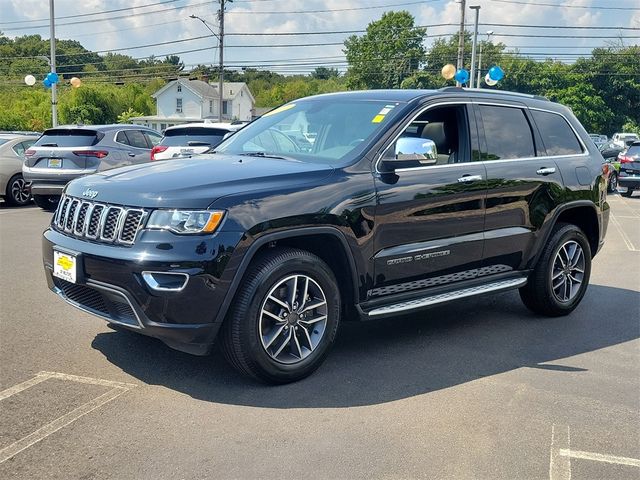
(470, 178)
(546, 171)
(131, 154)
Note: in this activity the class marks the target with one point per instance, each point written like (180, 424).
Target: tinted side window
(508, 133)
(121, 137)
(557, 135)
(153, 139)
(136, 139)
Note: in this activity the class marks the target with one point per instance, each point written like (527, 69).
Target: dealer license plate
(55, 163)
(64, 266)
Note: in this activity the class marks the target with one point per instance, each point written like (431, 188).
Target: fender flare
(285, 234)
(554, 220)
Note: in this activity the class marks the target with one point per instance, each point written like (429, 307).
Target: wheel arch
(328, 243)
(582, 214)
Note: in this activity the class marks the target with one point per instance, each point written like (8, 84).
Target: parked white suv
(623, 139)
(192, 138)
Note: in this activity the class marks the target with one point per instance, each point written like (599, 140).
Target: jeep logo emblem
(90, 193)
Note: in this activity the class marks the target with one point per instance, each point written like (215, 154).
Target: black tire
(242, 339)
(46, 202)
(628, 193)
(613, 183)
(17, 193)
(538, 294)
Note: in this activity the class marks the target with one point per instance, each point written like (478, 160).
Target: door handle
(469, 178)
(546, 170)
(131, 154)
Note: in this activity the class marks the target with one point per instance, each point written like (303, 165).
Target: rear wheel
(17, 193)
(613, 183)
(46, 202)
(559, 281)
(285, 317)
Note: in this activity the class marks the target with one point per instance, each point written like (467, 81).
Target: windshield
(323, 130)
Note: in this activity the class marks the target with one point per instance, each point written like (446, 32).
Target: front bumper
(110, 283)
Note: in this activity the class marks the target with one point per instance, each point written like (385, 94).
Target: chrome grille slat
(98, 222)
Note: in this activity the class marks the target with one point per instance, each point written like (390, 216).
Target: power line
(80, 22)
(90, 14)
(331, 10)
(536, 4)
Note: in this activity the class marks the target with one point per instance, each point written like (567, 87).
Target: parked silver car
(64, 153)
(13, 187)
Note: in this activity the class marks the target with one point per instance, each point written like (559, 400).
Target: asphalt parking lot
(480, 389)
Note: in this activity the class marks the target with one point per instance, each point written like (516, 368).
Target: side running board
(418, 303)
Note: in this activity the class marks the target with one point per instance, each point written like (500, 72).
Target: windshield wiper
(261, 154)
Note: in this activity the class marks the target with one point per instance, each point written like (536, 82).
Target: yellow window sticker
(283, 108)
(377, 119)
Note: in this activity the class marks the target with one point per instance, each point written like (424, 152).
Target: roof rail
(495, 92)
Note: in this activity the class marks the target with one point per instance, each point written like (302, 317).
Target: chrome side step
(418, 303)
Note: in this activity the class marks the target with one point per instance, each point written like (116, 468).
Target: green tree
(390, 51)
(324, 73)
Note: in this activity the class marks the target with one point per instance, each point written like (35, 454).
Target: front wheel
(285, 317)
(628, 193)
(18, 193)
(560, 279)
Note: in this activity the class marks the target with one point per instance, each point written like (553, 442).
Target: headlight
(186, 221)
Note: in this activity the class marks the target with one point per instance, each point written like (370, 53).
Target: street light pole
(489, 33)
(52, 65)
(221, 78)
(474, 45)
(461, 39)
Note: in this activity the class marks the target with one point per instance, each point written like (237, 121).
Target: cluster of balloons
(494, 75)
(51, 79)
(461, 75)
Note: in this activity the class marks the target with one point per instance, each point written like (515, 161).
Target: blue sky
(131, 28)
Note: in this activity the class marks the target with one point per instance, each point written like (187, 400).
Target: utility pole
(461, 39)
(52, 65)
(221, 77)
(474, 45)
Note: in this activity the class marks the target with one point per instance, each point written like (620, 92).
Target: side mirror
(414, 149)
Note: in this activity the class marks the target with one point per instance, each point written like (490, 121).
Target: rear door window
(507, 133)
(136, 139)
(193, 136)
(69, 138)
(557, 135)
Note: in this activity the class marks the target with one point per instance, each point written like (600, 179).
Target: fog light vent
(166, 281)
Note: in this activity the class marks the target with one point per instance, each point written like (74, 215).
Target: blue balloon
(52, 77)
(46, 82)
(461, 76)
(496, 73)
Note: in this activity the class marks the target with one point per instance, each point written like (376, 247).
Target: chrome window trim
(585, 151)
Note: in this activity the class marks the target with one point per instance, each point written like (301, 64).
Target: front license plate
(54, 163)
(65, 266)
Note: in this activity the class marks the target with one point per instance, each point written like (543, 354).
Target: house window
(226, 107)
(210, 106)
(163, 126)
(179, 88)
(178, 105)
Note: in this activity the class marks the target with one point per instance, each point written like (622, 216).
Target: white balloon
(30, 80)
(489, 81)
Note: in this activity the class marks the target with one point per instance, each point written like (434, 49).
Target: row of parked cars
(622, 160)
(39, 166)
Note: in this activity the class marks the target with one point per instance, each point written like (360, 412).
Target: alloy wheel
(293, 319)
(19, 191)
(567, 273)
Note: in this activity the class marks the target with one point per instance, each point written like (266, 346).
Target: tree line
(603, 88)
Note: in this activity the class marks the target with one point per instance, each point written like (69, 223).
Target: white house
(187, 101)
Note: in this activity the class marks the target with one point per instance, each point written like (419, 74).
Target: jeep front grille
(98, 221)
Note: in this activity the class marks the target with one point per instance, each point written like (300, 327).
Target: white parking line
(559, 466)
(599, 457)
(624, 236)
(117, 389)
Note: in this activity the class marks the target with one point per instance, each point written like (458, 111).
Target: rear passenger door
(135, 146)
(524, 184)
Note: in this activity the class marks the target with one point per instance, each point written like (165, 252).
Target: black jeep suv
(395, 201)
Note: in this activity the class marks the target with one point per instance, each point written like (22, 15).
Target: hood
(194, 182)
